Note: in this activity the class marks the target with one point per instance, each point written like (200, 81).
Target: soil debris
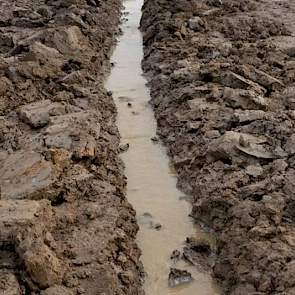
(155, 139)
(179, 277)
(199, 252)
(124, 148)
(175, 256)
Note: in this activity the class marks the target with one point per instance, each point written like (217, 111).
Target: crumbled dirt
(222, 78)
(65, 224)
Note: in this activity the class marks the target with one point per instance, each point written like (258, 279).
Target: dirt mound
(66, 227)
(222, 77)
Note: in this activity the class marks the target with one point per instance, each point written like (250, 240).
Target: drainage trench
(151, 184)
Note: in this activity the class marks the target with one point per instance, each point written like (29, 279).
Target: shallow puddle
(151, 185)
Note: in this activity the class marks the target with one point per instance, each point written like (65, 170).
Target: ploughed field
(65, 225)
(222, 78)
(222, 81)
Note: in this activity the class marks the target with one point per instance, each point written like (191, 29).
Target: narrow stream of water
(151, 187)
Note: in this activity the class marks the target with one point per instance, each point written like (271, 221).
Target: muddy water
(151, 185)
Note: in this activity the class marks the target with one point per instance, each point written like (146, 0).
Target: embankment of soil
(65, 225)
(222, 78)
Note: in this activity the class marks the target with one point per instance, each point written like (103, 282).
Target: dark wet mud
(222, 78)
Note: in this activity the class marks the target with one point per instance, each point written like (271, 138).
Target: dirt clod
(179, 277)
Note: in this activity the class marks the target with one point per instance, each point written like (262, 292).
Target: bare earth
(222, 77)
(65, 225)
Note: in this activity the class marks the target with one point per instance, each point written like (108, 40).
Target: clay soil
(222, 78)
(65, 225)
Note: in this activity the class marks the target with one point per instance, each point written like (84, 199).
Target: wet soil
(65, 224)
(151, 184)
(222, 78)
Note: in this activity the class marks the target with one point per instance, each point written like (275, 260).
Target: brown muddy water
(151, 187)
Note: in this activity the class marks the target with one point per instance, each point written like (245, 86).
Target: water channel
(151, 187)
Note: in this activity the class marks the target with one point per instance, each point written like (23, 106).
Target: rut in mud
(151, 185)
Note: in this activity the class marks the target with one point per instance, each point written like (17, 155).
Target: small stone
(179, 277)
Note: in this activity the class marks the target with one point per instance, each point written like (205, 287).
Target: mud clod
(179, 277)
(124, 148)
